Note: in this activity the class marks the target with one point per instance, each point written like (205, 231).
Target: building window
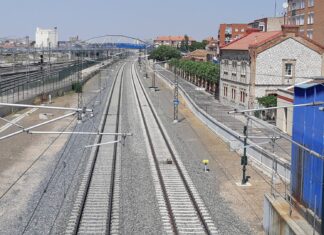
(242, 30)
(242, 96)
(302, 4)
(243, 69)
(310, 33)
(300, 19)
(288, 69)
(225, 91)
(233, 94)
(236, 30)
(310, 3)
(226, 63)
(234, 69)
(228, 31)
(234, 65)
(310, 18)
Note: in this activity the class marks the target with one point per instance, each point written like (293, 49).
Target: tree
(163, 53)
(197, 45)
(205, 71)
(184, 47)
(268, 101)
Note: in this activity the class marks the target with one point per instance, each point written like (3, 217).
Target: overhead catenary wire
(55, 170)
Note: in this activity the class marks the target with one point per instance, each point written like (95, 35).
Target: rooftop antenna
(285, 6)
(275, 9)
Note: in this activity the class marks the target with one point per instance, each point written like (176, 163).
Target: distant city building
(212, 44)
(268, 24)
(309, 16)
(174, 41)
(8, 43)
(46, 37)
(260, 63)
(201, 55)
(74, 39)
(229, 32)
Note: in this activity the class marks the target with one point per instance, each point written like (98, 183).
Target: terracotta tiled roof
(172, 38)
(252, 39)
(201, 53)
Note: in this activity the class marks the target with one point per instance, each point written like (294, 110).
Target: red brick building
(309, 16)
(229, 32)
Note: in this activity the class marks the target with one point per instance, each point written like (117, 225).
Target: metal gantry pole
(42, 72)
(244, 160)
(28, 67)
(79, 88)
(175, 97)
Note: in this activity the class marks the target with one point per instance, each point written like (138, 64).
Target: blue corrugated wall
(308, 129)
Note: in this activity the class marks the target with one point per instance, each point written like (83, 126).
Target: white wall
(44, 37)
(269, 67)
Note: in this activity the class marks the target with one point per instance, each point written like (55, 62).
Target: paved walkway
(213, 107)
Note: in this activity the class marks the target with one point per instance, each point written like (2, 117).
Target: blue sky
(142, 18)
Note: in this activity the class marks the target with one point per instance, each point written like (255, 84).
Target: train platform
(207, 102)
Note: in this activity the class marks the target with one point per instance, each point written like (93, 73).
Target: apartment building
(267, 24)
(260, 63)
(174, 41)
(230, 32)
(309, 16)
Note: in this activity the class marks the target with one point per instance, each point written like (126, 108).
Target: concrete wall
(274, 23)
(277, 219)
(285, 116)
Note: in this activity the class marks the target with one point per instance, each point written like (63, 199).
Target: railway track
(96, 208)
(11, 81)
(181, 208)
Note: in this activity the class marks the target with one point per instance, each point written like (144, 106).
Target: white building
(46, 38)
(260, 63)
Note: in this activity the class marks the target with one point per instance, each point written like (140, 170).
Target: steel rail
(174, 159)
(74, 227)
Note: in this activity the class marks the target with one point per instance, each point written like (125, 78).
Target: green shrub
(77, 87)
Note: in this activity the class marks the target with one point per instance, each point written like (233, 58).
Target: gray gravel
(139, 213)
(48, 211)
(219, 111)
(192, 153)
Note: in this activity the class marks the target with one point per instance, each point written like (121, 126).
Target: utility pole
(146, 62)
(275, 9)
(244, 160)
(28, 71)
(79, 87)
(49, 62)
(175, 97)
(42, 72)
